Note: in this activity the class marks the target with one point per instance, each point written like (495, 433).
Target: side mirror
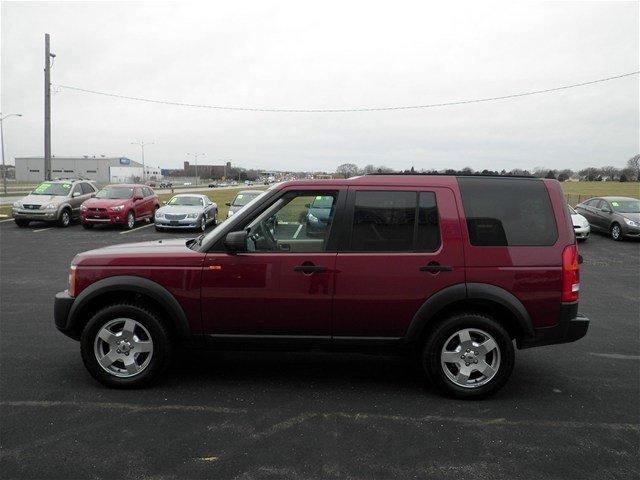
(76, 194)
(137, 197)
(606, 210)
(236, 242)
(228, 204)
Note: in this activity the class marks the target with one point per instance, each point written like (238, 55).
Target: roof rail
(436, 174)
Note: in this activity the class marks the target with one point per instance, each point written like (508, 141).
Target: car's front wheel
(130, 220)
(616, 232)
(21, 223)
(65, 218)
(469, 355)
(125, 346)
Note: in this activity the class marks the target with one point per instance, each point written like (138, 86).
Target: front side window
(291, 224)
(508, 212)
(395, 221)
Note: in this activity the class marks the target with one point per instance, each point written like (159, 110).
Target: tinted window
(383, 221)
(508, 212)
(428, 229)
(86, 188)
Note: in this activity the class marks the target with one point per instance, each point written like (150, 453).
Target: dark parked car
(455, 270)
(123, 204)
(617, 216)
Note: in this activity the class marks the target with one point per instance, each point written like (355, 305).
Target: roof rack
(436, 174)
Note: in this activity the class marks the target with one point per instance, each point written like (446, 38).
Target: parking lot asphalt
(569, 411)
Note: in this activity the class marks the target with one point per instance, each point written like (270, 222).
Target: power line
(344, 110)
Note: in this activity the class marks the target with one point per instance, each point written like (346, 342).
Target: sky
(315, 55)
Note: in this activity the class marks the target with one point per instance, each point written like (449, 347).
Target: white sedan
(580, 225)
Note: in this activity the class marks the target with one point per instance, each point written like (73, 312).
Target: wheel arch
(489, 299)
(127, 287)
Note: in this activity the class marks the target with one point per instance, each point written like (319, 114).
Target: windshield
(571, 210)
(243, 198)
(48, 188)
(115, 193)
(189, 201)
(626, 206)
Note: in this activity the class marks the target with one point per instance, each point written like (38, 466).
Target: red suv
(455, 269)
(121, 205)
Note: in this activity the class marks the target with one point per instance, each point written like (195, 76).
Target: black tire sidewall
(162, 347)
(435, 341)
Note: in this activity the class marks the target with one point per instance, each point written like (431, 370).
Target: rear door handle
(309, 268)
(435, 267)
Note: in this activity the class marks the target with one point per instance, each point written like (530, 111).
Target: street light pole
(4, 166)
(195, 157)
(48, 56)
(144, 169)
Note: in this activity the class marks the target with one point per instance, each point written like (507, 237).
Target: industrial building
(101, 169)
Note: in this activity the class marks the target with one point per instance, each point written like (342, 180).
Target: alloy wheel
(66, 219)
(470, 358)
(131, 220)
(123, 347)
(615, 232)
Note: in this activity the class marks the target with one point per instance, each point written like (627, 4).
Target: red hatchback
(123, 204)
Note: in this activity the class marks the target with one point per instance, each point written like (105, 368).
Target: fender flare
(135, 284)
(468, 291)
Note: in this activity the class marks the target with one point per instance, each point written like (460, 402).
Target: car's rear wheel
(125, 346)
(87, 226)
(616, 232)
(130, 220)
(469, 355)
(65, 218)
(21, 222)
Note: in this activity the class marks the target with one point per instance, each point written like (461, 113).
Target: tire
(65, 218)
(87, 226)
(152, 338)
(158, 229)
(445, 342)
(616, 232)
(203, 224)
(130, 221)
(21, 223)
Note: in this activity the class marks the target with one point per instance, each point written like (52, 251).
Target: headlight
(117, 208)
(17, 205)
(51, 206)
(631, 223)
(193, 215)
(83, 208)
(159, 214)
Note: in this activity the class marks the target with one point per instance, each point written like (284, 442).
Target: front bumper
(571, 326)
(61, 308)
(42, 215)
(104, 218)
(629, 231)
(187, 223)
(582, 233)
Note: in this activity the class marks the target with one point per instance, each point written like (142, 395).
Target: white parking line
(9, 220)
(42, 229)
(295, 235)
(134, 229)
(617, 356)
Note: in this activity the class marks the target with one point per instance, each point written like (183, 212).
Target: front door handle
(309, 268)
(435, 267)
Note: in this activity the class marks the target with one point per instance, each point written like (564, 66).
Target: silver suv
(53, 201)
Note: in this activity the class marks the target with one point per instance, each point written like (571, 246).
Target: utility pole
(195, 157)
(144, 169)
(47, 107)
(4, 166)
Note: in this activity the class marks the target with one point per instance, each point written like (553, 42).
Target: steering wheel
(265, 233)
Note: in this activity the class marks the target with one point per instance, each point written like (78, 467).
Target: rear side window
(395, 221)
(508, 212)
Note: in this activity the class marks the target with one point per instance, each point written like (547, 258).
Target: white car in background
(580, 224)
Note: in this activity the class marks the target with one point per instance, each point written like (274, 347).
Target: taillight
(570, 274)
(72, 281)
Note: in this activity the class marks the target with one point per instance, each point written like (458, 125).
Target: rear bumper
(61, 308)
(571, 326)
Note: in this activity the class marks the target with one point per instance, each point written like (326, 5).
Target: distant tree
(384, 169)
(590, 174)
(563, 177)
(565, 172)
(369, 169)
(467, 171)
(629, 173)
(634, 163)
(550, 174)
(623, 177)
(611, 173)
(540, 172)
(503, 172)
(347, 170)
